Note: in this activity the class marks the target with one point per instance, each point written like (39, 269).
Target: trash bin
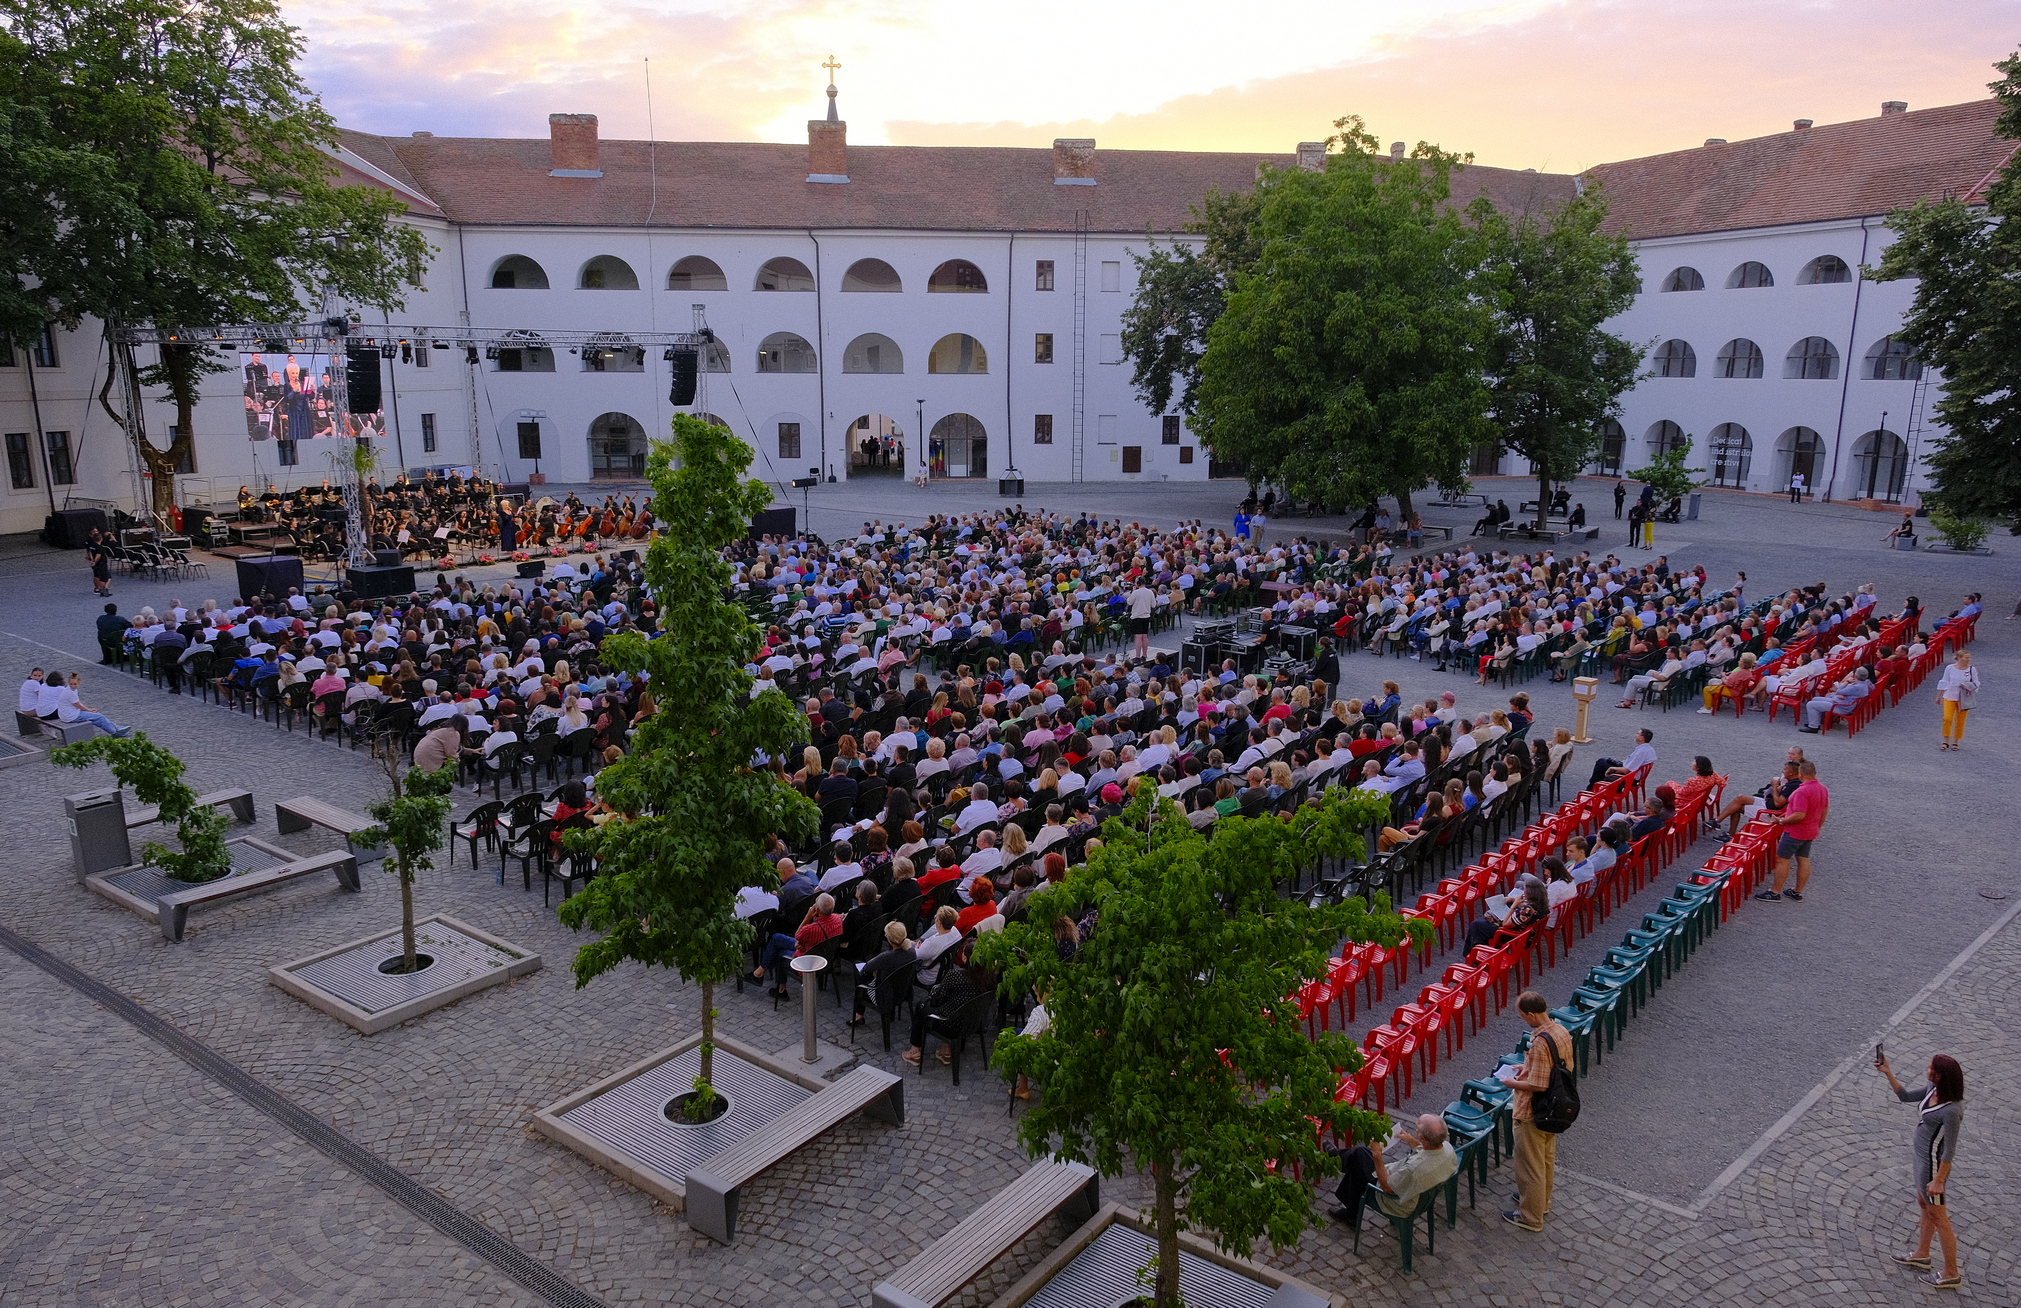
(1691, 509)
(1010, 486)
(97, 823)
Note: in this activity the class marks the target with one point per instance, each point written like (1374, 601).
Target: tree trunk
(1403, 505)
(179, 364)
(407, 913)
(708, 1067)
(1543, 495)
(1166, 1215)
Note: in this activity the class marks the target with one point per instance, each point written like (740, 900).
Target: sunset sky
(1551, 84)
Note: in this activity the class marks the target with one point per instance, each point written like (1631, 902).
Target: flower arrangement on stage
(559, 551)
(445, 563)
(484, 559)
(520, 556)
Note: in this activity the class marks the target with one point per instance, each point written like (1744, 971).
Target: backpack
(1556, 1107)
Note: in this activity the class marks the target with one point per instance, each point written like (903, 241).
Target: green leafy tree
(1669, 474)
(1176, 1044)
(156, 777)
(166, 165)
(1349, 360)
(1555, 372)
(413, 821)
(698, 811)
(1965, 321)
(1181, 291)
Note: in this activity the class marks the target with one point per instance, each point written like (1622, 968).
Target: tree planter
(351, 983)
(1097, 1268)
(137, 888)
(621, 1122)
(1946, 549)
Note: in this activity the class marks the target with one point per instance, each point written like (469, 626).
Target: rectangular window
(1112, 347)
(428, 433)
(1112, 274)
(1171, 429)
(1045, 275)
(6, 353)
(45, 347)
(60, 471)
(421, 353)
(186, 466)
(1042, 347)
(1185, 454)
(529, 440)
(20, 461)
(1133, 458)
(1042, 429)
(286, 454)
(789, 440)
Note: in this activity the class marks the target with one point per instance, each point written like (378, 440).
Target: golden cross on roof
(831, 66)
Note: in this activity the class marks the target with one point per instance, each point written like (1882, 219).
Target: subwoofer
(381, 582)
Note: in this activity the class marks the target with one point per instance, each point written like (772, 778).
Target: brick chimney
(1312, 156)
(572, 145)
(1801, 125)
(827, 150)
(1894, 107)
(1396, 149)
(1715, 140)
(1073, 161)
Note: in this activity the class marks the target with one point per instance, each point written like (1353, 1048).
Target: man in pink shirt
(1801, 820)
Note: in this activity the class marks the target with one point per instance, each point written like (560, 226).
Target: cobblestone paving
(129, 1178)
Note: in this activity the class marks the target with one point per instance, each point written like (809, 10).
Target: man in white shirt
(847, 869)
(978, 811)
(986, 859)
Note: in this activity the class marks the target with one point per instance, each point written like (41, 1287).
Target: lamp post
(919, 435)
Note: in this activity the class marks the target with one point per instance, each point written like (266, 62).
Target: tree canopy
(1555, 374)
(697, 810)
(1176, 1044)
(1349, 361)
(1965, 321)
(162, 162)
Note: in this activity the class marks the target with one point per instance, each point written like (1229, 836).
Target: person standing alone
(1956, 691)
(1536, 1148)
(1796, 488)
(1941, 1113)
(1620, 497)
(1801, 819)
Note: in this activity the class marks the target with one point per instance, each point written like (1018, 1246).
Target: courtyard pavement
(1735, 1149)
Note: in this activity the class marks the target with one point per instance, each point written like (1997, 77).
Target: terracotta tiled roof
(752, 185)
(1836, 171)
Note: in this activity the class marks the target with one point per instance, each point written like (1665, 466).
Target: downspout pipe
(820, 356)
(1846, 373)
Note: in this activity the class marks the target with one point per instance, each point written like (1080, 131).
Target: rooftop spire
(832, 66)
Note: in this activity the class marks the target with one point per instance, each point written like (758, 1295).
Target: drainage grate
(1105, 1273)
(424, 1203)
(356, 979)
(631, 1117)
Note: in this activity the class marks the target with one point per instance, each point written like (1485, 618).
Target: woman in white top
(1956, 691)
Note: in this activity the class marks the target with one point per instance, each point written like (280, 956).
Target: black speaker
(775, 521)
(382, 583)
(687, 364)
(268, 574)
(361, 378)
(70, 529)
(532, 568)
(386, 558)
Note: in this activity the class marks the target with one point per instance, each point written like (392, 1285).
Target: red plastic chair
(1472, 982)
(1400, 1045)
(1346, 975)
(1315, 1000)
(1428, 1020)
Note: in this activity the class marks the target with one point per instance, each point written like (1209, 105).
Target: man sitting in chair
(1430, 1163)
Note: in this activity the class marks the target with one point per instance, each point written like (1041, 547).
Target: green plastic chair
(1472, 1134)
(1605, 1005)
(1404, 1226)
(1578, 1024)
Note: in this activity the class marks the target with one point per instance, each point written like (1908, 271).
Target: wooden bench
(988, 1233)
(305, 811)
(1528, 532)
(241, 802)
(172, 909)
(1465, 500)
(712, 1188)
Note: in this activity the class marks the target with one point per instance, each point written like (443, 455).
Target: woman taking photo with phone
(1941, 1106)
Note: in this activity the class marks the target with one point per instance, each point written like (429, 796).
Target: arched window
(785, 274)
(1738, 358)
(957, 275)
(1732, 453)
(1893, 360)
(1811, 359)
(1607, 463)
(1882, 463)
(1675, 359)
(1800, 451)
(715, 358)
(1750, 275)
(1684, 279)
(785, 352)
(1664, 437)
(1824, 270)
(617, 448)
(957, 354)
(713, 420)
(871, 275)
(957, 447)
(696, 273)
(872, 352)
(607, 272)
(516, 272)
(521, 350)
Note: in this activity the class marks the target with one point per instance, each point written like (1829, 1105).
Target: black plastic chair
(482, 824)
(531, 849)
(975, 1018)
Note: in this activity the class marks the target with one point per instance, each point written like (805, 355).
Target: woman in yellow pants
(1956, 690)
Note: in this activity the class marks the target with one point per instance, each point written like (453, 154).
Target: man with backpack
(1547, 1100)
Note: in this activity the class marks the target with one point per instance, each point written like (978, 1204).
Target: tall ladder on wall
(1912, 430)
(1080, 414)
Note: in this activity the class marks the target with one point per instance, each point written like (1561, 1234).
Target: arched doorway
(1800, 450)
(617, 448)
(1732, 454)
(1883, 463)
(876, 447)
(958, 447)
